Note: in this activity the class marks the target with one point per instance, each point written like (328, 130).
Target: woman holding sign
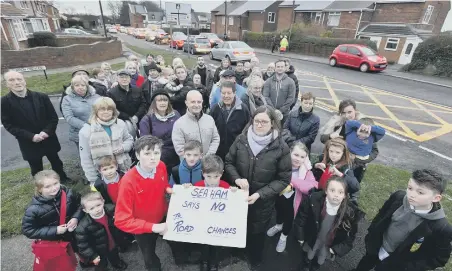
(259, 161)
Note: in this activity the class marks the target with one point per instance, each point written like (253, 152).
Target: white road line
(1, 126)
(436, 153)
(396, 137)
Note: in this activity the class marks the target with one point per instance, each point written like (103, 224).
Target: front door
(408, 50)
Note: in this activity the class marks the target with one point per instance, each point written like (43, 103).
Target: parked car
(358, 56)
(112, 29)
(177, 40)
(123, 29)
(197, 44)
(162, 39)
(150, 35)
(140, 33)
(233, 50)
(130, 30)
(77, 32)
(213, 38)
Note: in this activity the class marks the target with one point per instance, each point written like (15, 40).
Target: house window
(28, 26)
(428, 14)
(18, 29)
(271, 17)
(318, 17)
(391, 44)
(23, 4)
(333, 18)
(231, 20)
(409, 48)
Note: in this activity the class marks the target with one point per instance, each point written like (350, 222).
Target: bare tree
(115, 9)
(71, 10)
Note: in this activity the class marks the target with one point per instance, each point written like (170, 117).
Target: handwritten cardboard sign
(213, 216)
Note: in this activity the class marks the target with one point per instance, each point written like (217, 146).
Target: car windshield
(368, 51)
(211, 36)
(239, 45)
(202, 41)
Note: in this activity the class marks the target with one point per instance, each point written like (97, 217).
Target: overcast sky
(92, 7)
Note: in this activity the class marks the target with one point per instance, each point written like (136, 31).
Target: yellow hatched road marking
(332, 93)
(440, 120)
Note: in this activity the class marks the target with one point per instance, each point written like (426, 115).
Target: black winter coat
(304, 126)
(268, 174)
(230, 125)
(148, 91)
(205, 96)
(434, 251)
(101, 187)
(128, 103)
(92, 238)
(308, 221)
(23, 124)
(239, 77)
(178, 100)
(291, 74)
(42, 216)
(216, 75)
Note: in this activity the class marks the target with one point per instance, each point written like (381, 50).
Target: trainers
(281, 246)
(274, 230)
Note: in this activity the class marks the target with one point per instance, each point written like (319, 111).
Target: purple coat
(150, 125)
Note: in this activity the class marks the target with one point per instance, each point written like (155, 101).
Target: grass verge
(167, 55)
(55, 83)
(17, 190)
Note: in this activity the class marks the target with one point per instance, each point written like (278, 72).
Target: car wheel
(211, 56)
(333, 62)
(364, 67)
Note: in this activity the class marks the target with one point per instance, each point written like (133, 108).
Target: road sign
(178, 13)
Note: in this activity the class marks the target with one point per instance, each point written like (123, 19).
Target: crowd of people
(150, 126)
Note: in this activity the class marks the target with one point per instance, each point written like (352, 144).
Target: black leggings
(255, 246)
(285, 212)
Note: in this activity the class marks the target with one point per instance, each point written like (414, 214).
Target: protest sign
(205, 215)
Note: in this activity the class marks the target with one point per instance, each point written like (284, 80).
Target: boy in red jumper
(108, 183)
(212, 170)
(141, 205)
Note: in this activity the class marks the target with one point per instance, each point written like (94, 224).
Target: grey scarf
(164, 118)
(253, 102)
(258, 143)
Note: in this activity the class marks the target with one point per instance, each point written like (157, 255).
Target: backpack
(175, 174)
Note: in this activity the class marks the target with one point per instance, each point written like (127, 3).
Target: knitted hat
(159, 92)
(153, 66)
(79, 69)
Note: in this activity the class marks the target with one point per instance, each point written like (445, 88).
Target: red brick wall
(136, 20)
(59, 57)
(397, 13)
(391, 56)
(284, 18)
(256, 21)
(439, 14)
(347, 25)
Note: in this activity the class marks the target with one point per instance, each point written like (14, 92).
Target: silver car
(197, 44)
(234, 50)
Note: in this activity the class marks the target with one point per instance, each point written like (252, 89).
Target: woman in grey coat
(76, 105)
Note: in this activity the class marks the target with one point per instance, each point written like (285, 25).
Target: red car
(177, 40)
(358, 56)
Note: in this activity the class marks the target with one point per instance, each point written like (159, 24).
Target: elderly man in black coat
(31, 118)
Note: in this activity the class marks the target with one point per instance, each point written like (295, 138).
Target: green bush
(42, 39)
(435, 51)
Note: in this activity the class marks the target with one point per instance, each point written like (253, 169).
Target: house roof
(137, 9)
(391, 29)
(346, 5)
(289, 3)
(231, 6)
(398, 1)
(251, 6)
(311, 5)
(8, 10)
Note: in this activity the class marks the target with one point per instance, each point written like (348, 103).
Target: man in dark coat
(204, 71)
(290, 71)
(275, 42)
(31, 118)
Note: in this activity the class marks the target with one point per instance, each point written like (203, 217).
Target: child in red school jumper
(289, 200)
(326, 224)
(42, 217)
(212, 170)
(97, 237)
(411, 231)
(142, 205)
(335, 162)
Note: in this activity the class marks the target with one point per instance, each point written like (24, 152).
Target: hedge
(435, 51)
(308, 45)
(42, 39)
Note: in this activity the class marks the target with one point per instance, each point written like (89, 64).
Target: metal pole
(293, 20)
(103, 20)
(225, 19)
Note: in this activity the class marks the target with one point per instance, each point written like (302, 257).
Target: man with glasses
(195, 125)
(226, 75)
(280, 89)
(240, 73)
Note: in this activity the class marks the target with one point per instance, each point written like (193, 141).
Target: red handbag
(54, 255)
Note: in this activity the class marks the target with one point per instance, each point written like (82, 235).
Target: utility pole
(293, 21)
(225, 19)
(103, 20)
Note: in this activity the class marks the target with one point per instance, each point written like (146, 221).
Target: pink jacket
(303, 184)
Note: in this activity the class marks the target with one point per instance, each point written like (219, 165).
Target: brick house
(53, 17)
(311, 12)
(218, 17)
(251, 15)
(137, 15)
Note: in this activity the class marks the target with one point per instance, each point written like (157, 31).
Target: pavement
(416, 114)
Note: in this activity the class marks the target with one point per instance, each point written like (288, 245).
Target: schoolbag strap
(63, 208)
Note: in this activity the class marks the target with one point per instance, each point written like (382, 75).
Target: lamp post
(225, 19)
(103, 20)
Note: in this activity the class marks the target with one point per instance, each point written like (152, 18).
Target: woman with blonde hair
(104, 134)
(253, 97)
(137, 79)
(256, 72)
(159, 122)
(110, 75)
(76, 105)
